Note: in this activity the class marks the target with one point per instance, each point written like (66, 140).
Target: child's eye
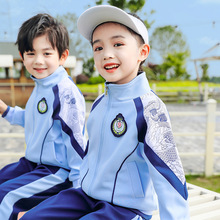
(97, 48)
(30, 53)
(118, 44)
(47, 54)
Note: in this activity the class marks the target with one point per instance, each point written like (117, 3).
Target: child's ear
(64, 56)
(144, 51)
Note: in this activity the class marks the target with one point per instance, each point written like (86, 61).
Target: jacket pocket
(135, 179)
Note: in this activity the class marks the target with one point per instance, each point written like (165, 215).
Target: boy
(53, 119)
(131, 159)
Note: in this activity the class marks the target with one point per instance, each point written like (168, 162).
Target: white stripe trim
(29, 190)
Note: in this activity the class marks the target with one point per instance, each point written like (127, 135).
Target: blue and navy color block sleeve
(162, 157)
(69, 109)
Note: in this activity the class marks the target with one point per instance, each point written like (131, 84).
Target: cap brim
(97, 15)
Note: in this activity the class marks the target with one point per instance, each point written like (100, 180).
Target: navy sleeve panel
(165, 171)
(140, 121)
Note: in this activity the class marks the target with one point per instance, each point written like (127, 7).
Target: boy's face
(43, 60)
(117, 53)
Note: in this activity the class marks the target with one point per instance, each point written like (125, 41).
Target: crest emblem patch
(119, 126)
(42, 106)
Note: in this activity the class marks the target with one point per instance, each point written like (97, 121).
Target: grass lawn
(172, 91)
(169, 86)
(211, 183)
(183, 86)
(89, 88)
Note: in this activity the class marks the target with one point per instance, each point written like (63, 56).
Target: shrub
(82, 79)
(96, 80)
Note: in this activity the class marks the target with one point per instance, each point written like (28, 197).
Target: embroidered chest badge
(119, 126)
(42, 106)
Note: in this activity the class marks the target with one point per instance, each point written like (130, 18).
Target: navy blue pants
(73, 204)
(24, 184)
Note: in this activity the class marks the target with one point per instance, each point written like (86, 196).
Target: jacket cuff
(76, 183)
(6, 112)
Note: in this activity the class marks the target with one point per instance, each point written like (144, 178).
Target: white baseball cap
(97, 15)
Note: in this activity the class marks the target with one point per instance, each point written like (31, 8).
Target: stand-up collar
(52, 79)
(136, 87)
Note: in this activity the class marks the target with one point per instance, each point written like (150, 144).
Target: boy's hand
(3, 107)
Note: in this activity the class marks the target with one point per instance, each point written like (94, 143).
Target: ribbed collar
(136, 87)
(52, 79)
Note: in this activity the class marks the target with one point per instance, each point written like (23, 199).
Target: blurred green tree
(169, 44)
(174, 66)
(88, 67)
(168, 39)
(79, 47)
(132, 6)
(205, 74)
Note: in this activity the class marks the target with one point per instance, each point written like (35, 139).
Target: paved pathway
(192, 143)
(179, 124)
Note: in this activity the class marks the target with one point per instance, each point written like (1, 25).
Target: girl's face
(43, 60)
(117, 53)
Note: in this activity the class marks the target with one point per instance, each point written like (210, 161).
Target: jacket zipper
(33, 127)
(101, 138)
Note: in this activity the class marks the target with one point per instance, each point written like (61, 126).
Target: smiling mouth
(39, 69)
(109, 67)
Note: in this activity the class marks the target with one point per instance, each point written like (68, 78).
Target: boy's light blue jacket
(54, 119)
(131, 158)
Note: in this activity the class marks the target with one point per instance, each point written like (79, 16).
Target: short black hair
(39, 25)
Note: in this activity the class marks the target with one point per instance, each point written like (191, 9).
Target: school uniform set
(132, 166)
(54, 120)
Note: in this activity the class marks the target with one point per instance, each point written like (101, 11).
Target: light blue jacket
(54, 119)
(131, 158)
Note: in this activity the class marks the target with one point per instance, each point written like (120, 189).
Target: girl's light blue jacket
(131, 158)
(54, 119)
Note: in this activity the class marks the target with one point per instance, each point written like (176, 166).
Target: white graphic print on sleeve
(70, 112)
(159, 134)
